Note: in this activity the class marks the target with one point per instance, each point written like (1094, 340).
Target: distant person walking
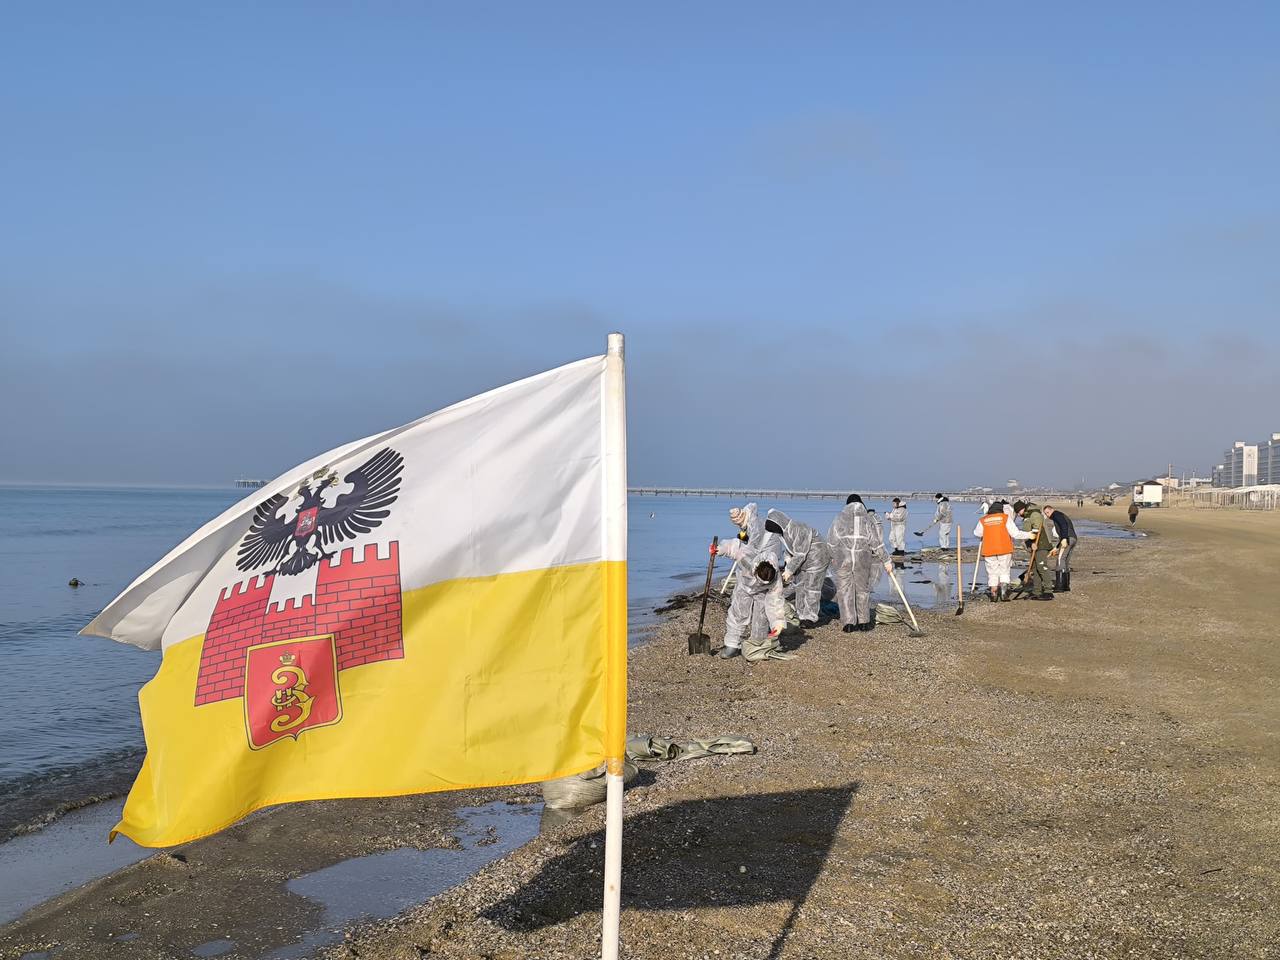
(1133, 513)
(1066, 543)
(998, 533)
(898, 528)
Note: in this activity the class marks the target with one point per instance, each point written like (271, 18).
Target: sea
(69, 703)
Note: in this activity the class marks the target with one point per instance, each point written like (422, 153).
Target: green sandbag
(888, 614)
(644, 747)
(756, 649)
(582, 789)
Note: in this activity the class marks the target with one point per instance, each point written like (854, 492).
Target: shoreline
(1021, 774)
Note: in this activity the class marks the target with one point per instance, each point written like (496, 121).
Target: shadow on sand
(688, 855)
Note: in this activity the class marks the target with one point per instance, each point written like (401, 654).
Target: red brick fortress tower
(357, 600)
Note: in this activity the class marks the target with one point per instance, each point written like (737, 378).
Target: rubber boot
(1005, 591)
(1066, 582)
(993, 595)
(1057, 581)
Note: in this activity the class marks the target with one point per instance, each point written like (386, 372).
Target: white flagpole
(615, 521)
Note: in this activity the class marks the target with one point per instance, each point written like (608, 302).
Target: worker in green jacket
(1038, 580)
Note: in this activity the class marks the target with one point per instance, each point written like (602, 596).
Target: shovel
(960, 573)
(699, 642)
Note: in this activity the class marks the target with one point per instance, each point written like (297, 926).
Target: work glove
(787, 577)
(1053, 552)
(714, 549)
(737, 516)
(742, 535)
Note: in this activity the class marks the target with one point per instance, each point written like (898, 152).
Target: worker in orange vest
(998, 532)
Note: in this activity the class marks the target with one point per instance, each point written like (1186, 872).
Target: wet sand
(1093, 777)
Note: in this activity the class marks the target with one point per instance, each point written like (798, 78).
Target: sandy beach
(1096, 777)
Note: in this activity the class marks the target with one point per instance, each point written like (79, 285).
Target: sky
(923, 246)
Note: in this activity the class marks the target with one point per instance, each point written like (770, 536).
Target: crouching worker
(857, 556)
(1037, 578)
(757, 613)
(998, 532)
(807, 562)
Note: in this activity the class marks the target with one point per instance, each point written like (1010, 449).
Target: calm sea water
(66, 700)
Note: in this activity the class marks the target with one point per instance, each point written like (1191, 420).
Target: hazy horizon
(849, 247)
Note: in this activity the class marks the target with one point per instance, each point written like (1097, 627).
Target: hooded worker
(757, 613)
(751, 529)
(807, 562)
(898, 527)
(857, 556)
(998, 533)
(1039, 576)
(942, 517)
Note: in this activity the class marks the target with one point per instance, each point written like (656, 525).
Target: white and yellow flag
(439, 606)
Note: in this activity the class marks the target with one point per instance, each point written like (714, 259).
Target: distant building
(1269, 460)
(1249, 464)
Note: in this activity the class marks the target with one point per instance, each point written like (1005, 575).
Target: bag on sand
(644, 747)
(755, 649)
(888, 614)
(582, 789)
(585, 789)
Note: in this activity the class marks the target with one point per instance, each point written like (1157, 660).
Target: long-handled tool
(921, 533)
(977, 562)
(725, 586)
(1025, 579)
(699, 642)
(959, 573)
(915, 627)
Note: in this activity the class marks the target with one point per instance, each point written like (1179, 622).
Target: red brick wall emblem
(357, 601)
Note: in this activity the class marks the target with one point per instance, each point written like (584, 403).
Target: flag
(439, 606)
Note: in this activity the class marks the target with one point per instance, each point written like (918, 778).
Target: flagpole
(615, 533)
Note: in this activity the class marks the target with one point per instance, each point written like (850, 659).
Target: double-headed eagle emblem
(297, 541)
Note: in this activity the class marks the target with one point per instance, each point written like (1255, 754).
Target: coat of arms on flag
(332, 609)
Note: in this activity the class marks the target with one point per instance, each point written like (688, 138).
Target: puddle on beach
(69, 852)
(381, 885)
(214, 948)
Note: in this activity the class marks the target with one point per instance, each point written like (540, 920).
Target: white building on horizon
(1249, 464)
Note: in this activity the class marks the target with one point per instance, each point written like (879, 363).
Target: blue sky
(921, 246)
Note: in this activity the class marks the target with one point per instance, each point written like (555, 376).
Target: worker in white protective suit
(807, 562)
(751, 528)
(943, 518)
(857, 557)
(757, 613)
(898, 528)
